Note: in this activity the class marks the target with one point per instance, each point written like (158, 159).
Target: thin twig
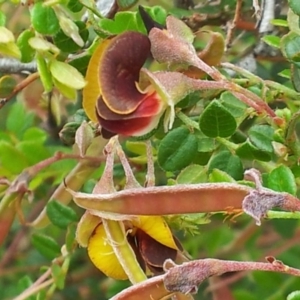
(31, 291)
(19, 87)
(33, 170)
(232, 25)
(257, 9)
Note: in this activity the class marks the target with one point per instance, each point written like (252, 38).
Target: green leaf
(132, 20)
(66, 74)
(81, 63)
(27, 52)
(6, 36)
(12, 159)
(192, 174)
(272, 40)
(248, 151)
(282, 179)
(71, 30)
(71, 237)
(177, 149)
(17, 122)
(295, 77)
(7, 85)
(66, 91)
(74, 6)
(45, 75)
(295, 6)
(279, 22)
(43, 19)
(58, 275)
(66, 43)
(157, 13)
(290, 47)
(41, 295)
(262, 136)
(10, 49)
(27, 148)
(60, 214)
(227, 162)
(125, 4)
(286, 73)
(217, 121)
(8, 46)
(294, 296)
(136, 147)
(46, 245)
(206, 144)
(236, 107)
(293, 21)
(286, 228)
(189, 100)
(41, 45)
(24, 283)
(217, 175)
(35, 134)
(2, 18)
(116, 26)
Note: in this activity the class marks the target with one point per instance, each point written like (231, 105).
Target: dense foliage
(149, 149)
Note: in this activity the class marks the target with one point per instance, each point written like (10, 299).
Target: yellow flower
(149, 236)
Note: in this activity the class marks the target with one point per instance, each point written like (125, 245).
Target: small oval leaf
(236, 107)
(225, 161)
(74, 5)
(282, 179)
(177, 149)
(262, 136)
(47, 246)
(27, 52)
(60, 214)
(6, 36)
(59, 276)
(43, 19)
(45, 75)
(192, 174)
(7, 85)
(66, 43)
(248, 151)
(217, 175)
(67, 74)
(295, 6)
(217, 121)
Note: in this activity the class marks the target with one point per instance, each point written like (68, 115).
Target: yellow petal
(103, 257)
(157, 228)
(86, 227)
(92, 90)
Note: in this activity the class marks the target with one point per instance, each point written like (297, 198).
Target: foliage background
(29, 135)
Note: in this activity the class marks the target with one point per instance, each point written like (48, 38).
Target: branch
(14, 66)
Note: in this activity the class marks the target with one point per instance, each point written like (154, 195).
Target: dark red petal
(130, 127)
(153, 252)
(119, 71)
(151, 105)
